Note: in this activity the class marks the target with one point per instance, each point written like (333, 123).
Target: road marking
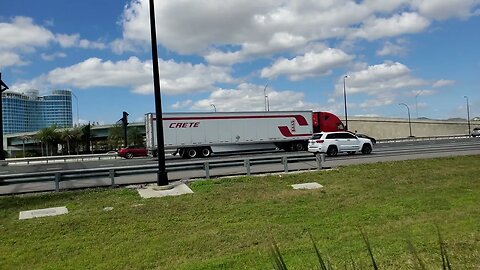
(106, 165)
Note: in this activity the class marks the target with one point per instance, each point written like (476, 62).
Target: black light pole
(3, 87)
(468, 117)
(345, 101)
(162, 177)
(409, 122)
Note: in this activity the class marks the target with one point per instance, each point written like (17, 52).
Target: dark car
(367, 137)
(133, 151)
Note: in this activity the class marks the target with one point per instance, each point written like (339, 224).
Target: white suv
(333, 143)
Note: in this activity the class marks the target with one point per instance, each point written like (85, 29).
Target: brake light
(319, 141)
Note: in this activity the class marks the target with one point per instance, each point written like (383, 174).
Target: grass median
(231, 223)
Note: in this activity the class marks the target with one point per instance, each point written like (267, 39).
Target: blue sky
(420, 52)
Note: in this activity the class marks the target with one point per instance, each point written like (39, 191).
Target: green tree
(66, 135)
(115, 136)
(135, 137)
(48, 137)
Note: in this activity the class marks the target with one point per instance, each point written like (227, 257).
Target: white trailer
(201, 134)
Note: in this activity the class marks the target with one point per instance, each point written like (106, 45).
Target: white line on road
(54, 168)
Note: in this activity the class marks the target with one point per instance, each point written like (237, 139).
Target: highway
(382, 152)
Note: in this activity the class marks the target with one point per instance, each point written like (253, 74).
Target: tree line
(79, 140)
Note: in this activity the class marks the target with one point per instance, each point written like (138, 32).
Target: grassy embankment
(231, 223)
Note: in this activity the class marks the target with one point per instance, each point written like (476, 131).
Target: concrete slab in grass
(152, 191)
(46, 212)
(313, 185)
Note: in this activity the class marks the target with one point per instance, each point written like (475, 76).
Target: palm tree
(76, 137)
(67, 136)
(47, 136)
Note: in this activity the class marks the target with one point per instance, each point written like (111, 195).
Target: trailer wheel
(298, 146)
(192, 153)
(206, 152)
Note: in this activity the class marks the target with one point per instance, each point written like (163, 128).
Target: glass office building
(27, 111)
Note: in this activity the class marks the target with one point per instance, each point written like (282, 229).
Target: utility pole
(124, 125)
(162, 177)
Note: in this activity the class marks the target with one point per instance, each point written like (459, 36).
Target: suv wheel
(129, 155)
(366, 149)
(332, 151)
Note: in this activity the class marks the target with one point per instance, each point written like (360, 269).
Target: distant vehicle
(366, 137)
(201, 134)
(333, 143)
(476, 132)
(133, 151)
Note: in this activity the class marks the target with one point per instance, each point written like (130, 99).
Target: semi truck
(201, 134)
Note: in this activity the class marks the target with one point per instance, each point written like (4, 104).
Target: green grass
(232, 223)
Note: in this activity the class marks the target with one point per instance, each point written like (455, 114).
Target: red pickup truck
(133, 151)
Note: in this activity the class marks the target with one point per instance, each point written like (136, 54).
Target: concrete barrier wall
(388, 128)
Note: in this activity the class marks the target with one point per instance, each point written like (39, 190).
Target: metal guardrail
(112, 173)
(52, 159)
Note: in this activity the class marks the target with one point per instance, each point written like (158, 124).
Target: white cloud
(399, 24)
(244, 29)
(380, 79)
(11, 59)
(389, 48)
(445, 9)
(22, 34)
(74, 40)
(176, 78)
(249, 97)
(53, 56)
(310, 64)
(442, 83)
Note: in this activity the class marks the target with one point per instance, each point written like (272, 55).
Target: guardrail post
(58, 177)
(111, 174)
(285, 164)
(320, 157)
(206, 167)
(246, 163)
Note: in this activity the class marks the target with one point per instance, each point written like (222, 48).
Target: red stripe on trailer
(287, 133)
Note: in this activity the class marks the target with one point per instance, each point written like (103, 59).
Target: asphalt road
(382, 152)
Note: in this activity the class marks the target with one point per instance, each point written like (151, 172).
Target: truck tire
(192, 153)
(206, 152)
(366, 149)
(298, 146)
(332, 151)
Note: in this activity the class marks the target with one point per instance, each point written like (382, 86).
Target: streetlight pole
(76, 99)
(3, 87)
(345, 101)
(265, 96)
(162, 177)
(416, 102)
(409, 122)
(468, 116)
(214, 108)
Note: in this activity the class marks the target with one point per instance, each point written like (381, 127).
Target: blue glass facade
(26, 112)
